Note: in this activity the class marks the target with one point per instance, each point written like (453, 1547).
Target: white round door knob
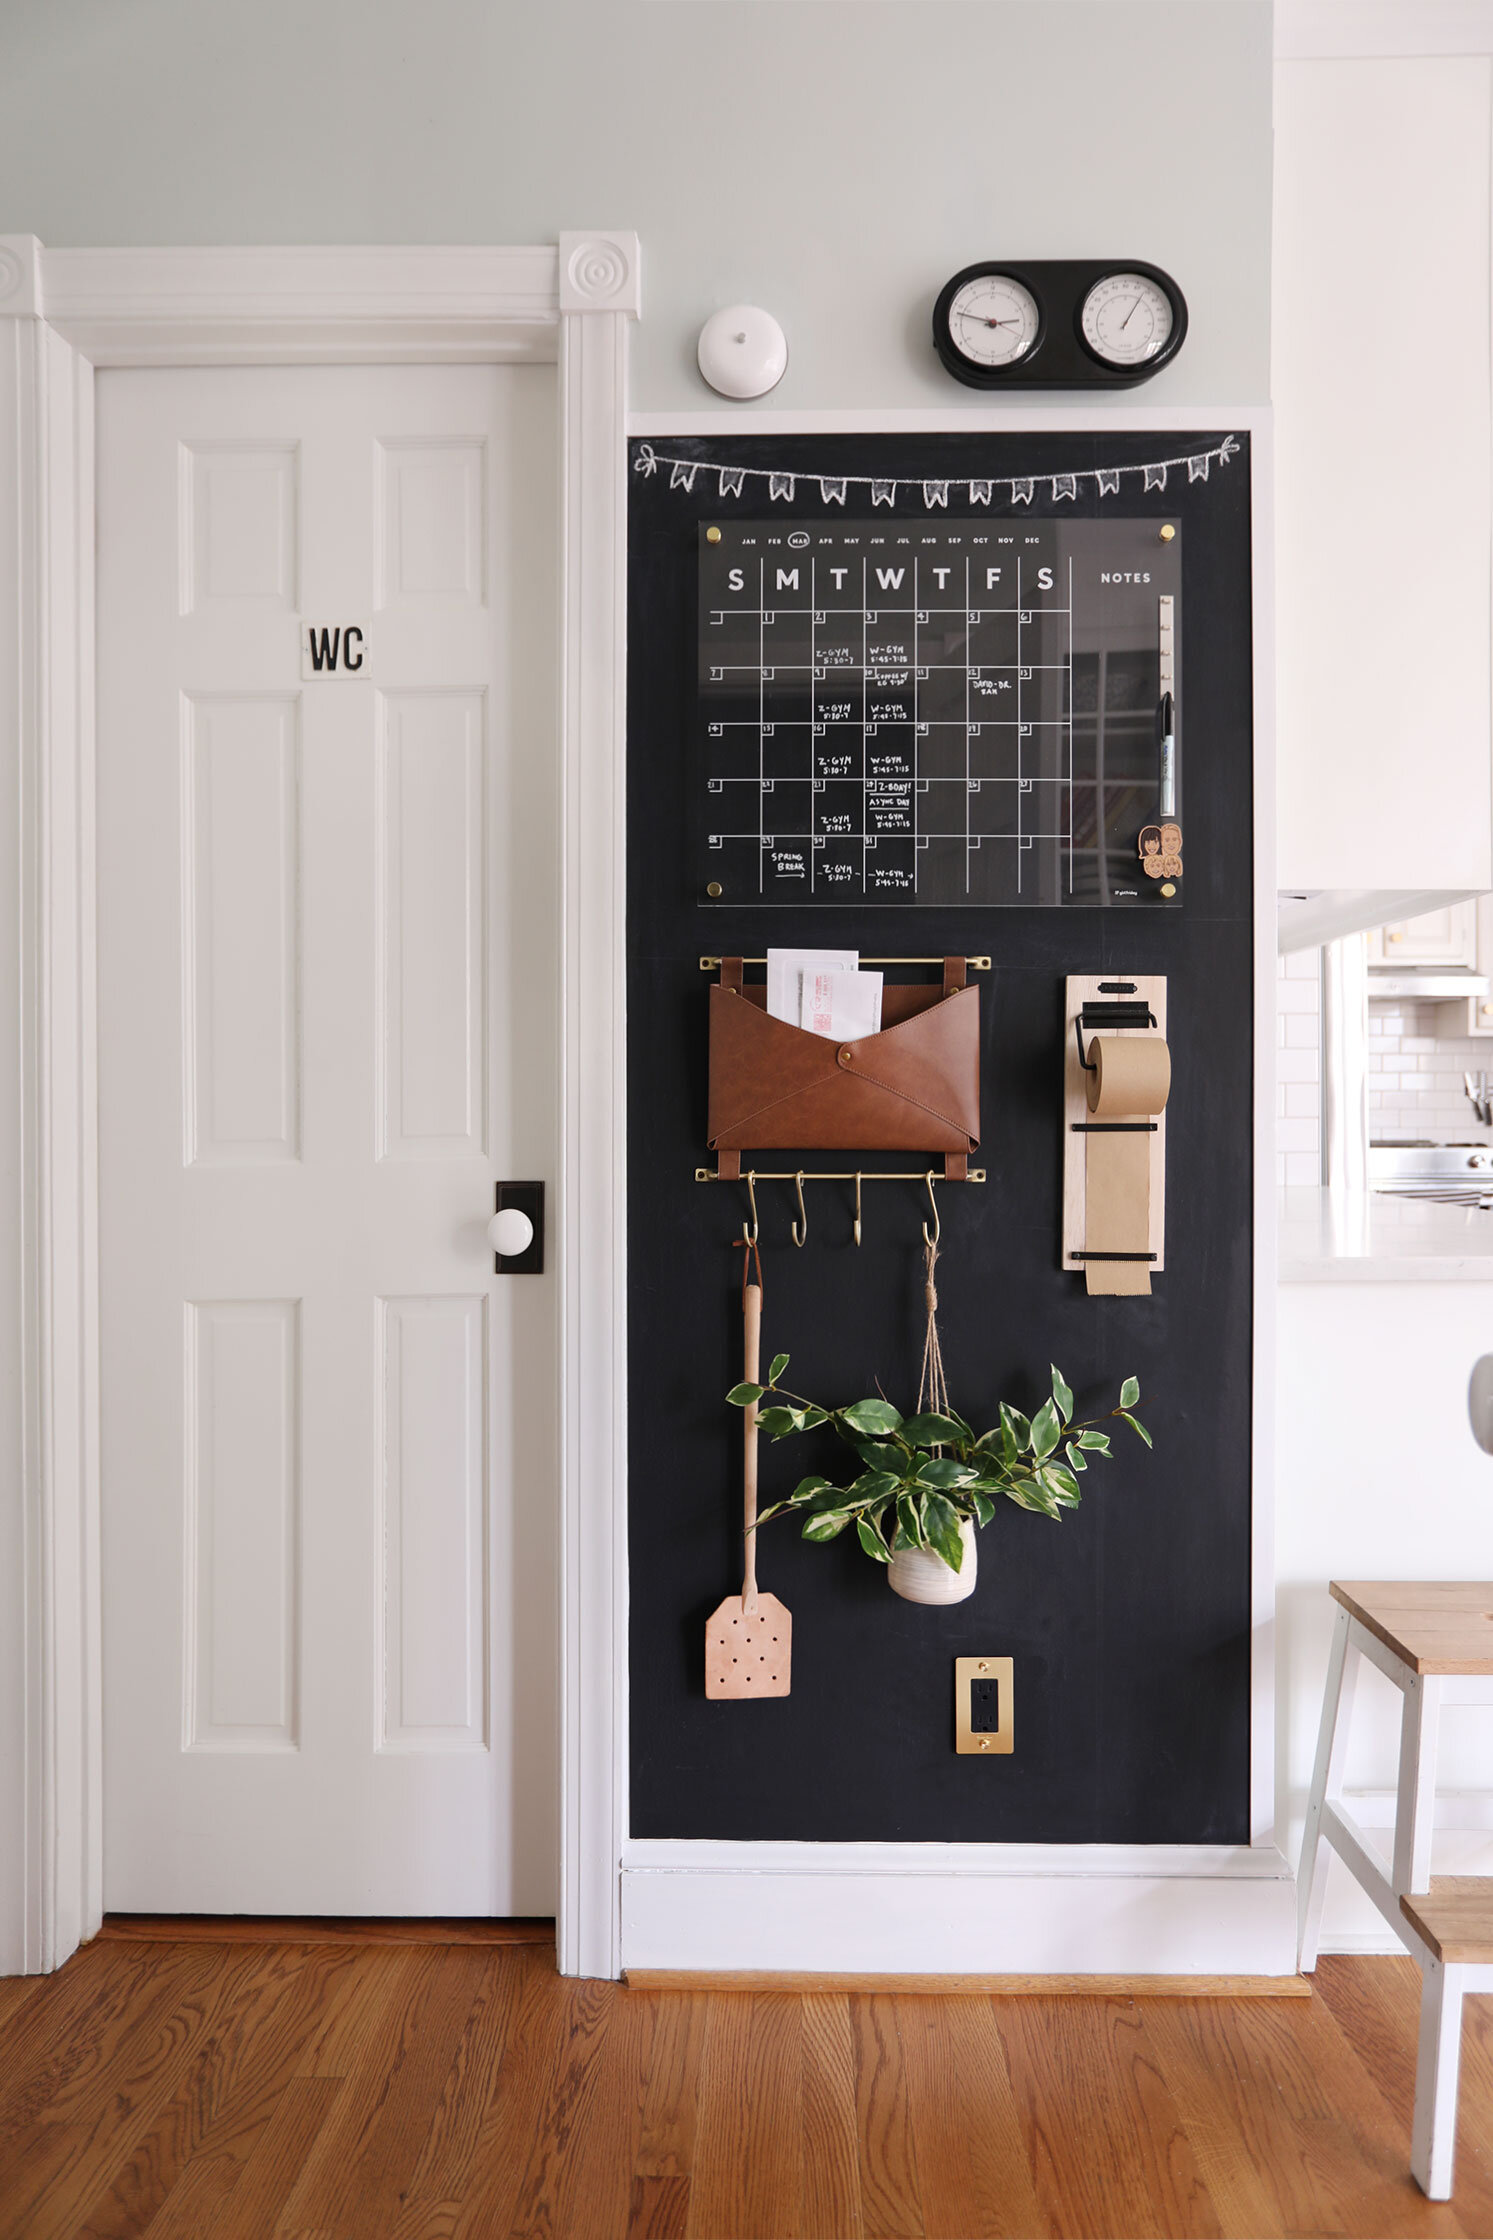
(743, 352)
(510, 1232)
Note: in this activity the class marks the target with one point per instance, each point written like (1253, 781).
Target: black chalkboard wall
(1129, 1623)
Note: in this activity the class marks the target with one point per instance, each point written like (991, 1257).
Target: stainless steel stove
(1449, 1174)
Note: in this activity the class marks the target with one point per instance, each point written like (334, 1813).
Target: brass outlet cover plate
(967, 1743)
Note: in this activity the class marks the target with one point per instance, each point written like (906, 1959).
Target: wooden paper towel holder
(1108, 1003)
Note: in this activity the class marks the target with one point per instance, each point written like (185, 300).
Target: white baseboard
(972, 1909)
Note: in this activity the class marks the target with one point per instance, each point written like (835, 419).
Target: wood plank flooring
(453, 2087)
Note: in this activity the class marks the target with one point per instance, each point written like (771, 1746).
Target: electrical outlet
(984, 1707)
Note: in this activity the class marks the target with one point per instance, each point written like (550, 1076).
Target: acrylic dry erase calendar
(970, 713)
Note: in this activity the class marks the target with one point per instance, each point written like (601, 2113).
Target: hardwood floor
(327, 2087)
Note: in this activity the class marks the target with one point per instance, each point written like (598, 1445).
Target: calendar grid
(891, 716)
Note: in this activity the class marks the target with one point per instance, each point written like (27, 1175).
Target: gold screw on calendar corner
(1167, 532)
(712, 536)
(714, 890)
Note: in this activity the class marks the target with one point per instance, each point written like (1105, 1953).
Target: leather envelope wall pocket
(913, 1087)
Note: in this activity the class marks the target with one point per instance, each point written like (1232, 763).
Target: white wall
(834, 159)
(1377, 1477)
(1383, 385)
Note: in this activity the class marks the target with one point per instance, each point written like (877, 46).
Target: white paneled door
(327, 841)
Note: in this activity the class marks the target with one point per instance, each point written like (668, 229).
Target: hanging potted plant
(925, 1482)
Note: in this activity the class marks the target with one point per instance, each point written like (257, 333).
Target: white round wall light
(743, 352)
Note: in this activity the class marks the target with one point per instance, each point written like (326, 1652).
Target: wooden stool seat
(1455, 1918)
(1432, 1625)
(1433, 1638)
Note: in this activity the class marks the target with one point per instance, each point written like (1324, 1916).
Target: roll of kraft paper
(1131, 1077)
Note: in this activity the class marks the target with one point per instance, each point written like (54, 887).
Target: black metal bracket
(1111, 1256)
(1113, 1127)
(526, 1197)
(1115, 1016)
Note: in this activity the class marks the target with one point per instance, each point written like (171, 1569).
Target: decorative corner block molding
(600, 272)
(20, 276)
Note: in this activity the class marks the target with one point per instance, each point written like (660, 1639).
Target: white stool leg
(1327, 1781)
(1415, 1808)
(1433, 2139)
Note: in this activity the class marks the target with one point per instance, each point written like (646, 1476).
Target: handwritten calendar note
(898, 713)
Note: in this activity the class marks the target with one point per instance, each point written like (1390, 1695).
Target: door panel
(327, 963)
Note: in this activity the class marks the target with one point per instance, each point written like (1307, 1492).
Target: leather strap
(731, 973)
(955, 1166)
(954, 975)
(728, 1166)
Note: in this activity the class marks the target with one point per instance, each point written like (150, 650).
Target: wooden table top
(1455, 1916)
(1435, 1625)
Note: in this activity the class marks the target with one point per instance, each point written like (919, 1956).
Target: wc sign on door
(334, 649)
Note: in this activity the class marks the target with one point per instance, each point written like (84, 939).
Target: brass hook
(751, 1234)
(857, 1205)
(801, 1225)
(933, 1202)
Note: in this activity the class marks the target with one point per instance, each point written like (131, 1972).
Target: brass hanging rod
(976, 964)
(836, 1174)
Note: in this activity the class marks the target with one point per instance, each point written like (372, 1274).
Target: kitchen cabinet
(1471, 1016)
(1448, 938)
(1383, 390)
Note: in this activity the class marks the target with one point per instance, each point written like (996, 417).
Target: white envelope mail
(785, 973)
(843, 1005)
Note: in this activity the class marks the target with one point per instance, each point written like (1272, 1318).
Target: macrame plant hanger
(933, 1390)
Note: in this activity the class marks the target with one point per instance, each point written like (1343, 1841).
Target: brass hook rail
(929, 1177)
(975, 964)
(837, 1174)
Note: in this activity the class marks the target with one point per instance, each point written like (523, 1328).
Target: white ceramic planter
(918, 1575)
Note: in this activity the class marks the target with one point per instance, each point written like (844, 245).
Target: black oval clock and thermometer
(1077, 324)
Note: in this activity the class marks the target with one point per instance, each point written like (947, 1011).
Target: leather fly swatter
(749, 1639)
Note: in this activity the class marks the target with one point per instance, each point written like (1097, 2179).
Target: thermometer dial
(1126, 319)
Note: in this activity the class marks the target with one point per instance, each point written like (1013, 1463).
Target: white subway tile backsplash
(1298, 1067)
(1415, 1074)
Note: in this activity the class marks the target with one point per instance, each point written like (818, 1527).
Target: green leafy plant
(921, 1476)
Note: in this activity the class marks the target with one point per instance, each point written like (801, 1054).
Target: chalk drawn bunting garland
(983, 490)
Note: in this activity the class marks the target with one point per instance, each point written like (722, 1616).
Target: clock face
(1126, 319)
(993, 320)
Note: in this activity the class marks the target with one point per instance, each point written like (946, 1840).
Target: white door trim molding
(593, 1108)
(63, 313)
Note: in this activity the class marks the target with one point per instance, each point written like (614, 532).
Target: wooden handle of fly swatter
(751, 1315)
